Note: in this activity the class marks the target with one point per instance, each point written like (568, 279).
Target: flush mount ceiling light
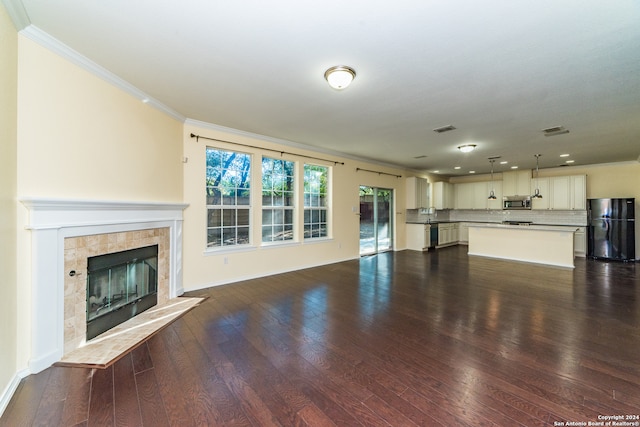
(467, 148)
(340, 76)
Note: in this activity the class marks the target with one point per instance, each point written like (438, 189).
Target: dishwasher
(433, 236)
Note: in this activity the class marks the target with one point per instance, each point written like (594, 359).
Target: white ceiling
(500, 71)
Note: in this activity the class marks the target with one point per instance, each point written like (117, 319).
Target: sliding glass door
(376, 228)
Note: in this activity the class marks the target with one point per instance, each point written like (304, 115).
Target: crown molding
(313, 148)
(42, 38)
(17, 13)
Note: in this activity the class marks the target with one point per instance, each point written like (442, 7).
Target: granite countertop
(532, 227)
(495, 223)
(432, 222)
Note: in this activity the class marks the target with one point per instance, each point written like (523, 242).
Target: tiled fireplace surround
(64, 233)
(77, 250)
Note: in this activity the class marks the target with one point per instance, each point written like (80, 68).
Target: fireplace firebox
(119, 286)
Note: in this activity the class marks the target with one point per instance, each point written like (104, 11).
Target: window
(315, 201)
(277, 200)
(228, 198)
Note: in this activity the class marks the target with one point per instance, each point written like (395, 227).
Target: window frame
(239, 214)
(284, 209)
(321, 207)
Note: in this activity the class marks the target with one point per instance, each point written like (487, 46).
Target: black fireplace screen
(119, 286)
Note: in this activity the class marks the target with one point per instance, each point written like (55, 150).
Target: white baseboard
(11, 388)
(267, 274)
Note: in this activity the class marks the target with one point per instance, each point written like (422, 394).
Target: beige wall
(205, 269)
(91, 140)
(605, 180)
(8, 226)
(80, 137)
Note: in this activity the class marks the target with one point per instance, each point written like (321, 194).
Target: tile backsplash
(550, 217)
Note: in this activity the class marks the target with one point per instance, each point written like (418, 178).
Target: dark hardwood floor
(395, 339)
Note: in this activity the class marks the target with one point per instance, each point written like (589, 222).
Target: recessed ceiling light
(565, 155)
(504, 162)
(514, 167)
(436, 171)
(570, 161)
(472, 171)
(457, 167)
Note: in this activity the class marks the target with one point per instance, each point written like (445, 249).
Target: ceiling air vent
(444, 129)
(556, 130)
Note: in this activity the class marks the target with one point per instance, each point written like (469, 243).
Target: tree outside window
(228, 198)
(277, 199)
(315, 201)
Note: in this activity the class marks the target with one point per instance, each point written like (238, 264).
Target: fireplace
(120, 285)
(64, 235)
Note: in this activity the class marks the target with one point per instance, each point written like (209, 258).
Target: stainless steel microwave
(516, 202)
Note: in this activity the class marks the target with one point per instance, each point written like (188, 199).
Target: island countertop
(541, 244)
(562, 228)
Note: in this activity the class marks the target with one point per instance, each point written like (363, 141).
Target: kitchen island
(540, 244)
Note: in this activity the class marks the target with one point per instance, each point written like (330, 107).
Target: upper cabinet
(475, 195)
(579, 192)
(516, 183)
(443, 195)
(417, 193)
(464, 195)
(542, 184)
(561, 193)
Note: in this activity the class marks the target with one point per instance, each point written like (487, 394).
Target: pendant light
(536, 193)
(492, 193)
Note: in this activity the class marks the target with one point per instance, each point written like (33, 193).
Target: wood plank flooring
(399, 339)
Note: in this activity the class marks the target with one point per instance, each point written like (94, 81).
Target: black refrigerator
(611, 229)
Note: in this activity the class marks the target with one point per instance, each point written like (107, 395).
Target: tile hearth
(107, 348)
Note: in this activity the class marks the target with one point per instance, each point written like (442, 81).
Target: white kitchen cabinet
(463, 233)
(443, 195)
(580, 242)
(480, 195)
(417, 193)
(475, 195)
(516, 183)
(560, 192)
(567, 192)
(464, 195)
(447, 234)
(579, 192)
(543, 186)
(418, 236)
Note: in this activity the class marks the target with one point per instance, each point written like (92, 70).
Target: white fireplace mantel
(53, 220)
